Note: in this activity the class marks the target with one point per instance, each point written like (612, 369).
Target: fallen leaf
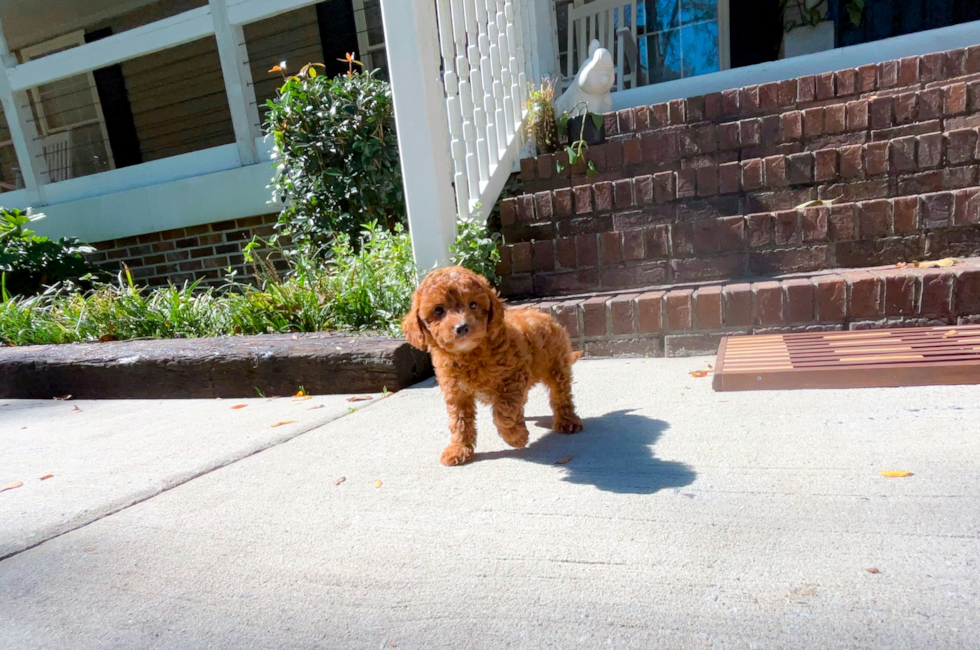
(895, 473)
(46, 477)
(902, 265)
(318, 406)
(377, 484)
(564, 460)
(873, 570)
(12, 486)
(950, 333)
(238, 406)
(75, 410)
(105, 338)
(63, 398)
(340, 480)
(89, 549)
(943, 263)
(301, 393)
(699, 373)
(358, 398)
(284, 422)
(300, 398)
(817, 203)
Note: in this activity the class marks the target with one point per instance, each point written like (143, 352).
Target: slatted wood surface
(894, 357)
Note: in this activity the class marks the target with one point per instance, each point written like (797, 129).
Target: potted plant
(541, 127)
(583, 130)
(808, 29)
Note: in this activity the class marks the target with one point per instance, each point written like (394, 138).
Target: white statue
(591, 84)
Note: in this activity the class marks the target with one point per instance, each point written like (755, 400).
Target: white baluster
(476, 88)
(489, 105)
(451, 84)
(533, 53)
(519, 45)
(498, 87)
(469, 138)
(516, 76)
(506, 69)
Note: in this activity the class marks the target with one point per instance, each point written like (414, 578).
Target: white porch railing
(467, 125)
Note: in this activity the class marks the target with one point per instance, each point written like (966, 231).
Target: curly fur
(484, 351)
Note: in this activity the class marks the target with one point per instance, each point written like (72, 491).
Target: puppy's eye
(472, 305)
(439, 311)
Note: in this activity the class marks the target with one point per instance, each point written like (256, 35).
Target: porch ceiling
(29, 21)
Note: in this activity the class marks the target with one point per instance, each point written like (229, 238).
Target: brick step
(633, 253)
(859, 122)
(690, 320)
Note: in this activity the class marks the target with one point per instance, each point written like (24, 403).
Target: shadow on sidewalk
(613, 453)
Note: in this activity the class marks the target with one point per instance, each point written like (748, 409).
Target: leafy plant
(476, 247)
(28, 261)
(813, 12)
(541, 127)
(337, 156)
(576, 150)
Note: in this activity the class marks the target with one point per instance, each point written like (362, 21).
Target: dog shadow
(613, 453)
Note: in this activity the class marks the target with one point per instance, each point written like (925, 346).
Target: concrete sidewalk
(684, 519)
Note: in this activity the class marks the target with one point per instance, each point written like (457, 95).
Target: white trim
(22, 132)
(242, 12)
(232, 194)
(139, 41)
(238, 82)
(934, 40)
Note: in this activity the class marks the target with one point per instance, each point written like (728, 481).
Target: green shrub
(476, 247)
(29, 262)
(337, 157)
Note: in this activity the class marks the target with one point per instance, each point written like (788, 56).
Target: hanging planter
(808, 30)
(590, 127)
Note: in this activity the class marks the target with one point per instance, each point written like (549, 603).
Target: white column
(238, 82)
(22, 130)
(546, 35)
(412, 40)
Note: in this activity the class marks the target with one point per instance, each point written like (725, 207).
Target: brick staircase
(694, 209)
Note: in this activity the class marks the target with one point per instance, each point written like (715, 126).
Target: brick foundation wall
(706, 188)
(186, 254)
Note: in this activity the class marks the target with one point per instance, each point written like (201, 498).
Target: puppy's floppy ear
(495, 319)
(413, 327)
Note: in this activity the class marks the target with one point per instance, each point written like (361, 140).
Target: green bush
(476, 247)
(337, 157)
(29, 262)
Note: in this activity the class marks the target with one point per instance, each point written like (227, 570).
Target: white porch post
(546, 30)
(238, 82)
(412, 40)
(22, 130)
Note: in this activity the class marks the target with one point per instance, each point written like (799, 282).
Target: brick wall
(186, 254)
(706, 188)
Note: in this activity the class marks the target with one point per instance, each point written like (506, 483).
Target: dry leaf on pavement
(46, 477)
(12, 486)
(358, 398)
(63, 398)
(895, 473)
(377, 484)
(300, 398)
(340, 480)
(238, 406)
(699, 373)
(943, 263)
(284, 422)
(564, 460)
(318, 406)
(873, 570)
(76, 409)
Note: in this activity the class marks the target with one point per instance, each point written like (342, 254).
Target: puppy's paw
(567, 424)
(515, 437)
(456, 455)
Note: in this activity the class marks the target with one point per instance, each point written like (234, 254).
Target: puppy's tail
(575, 356)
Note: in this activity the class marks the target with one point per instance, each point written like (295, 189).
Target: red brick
(905, 215)
(695, 108)
(528, 169)
(546, 166)
(769, 96)
(876, 158)
(728, 178)
(686, 183)
(930, 150)
(614, 155)
(936, 291)
(906, 108)
(813, 122)
(562, 202)
(586, 251)
(649, 307)
(602, 193)
(900, 294)
(565, 252)
(610, 247)
(682, 238)
(799, 168)
(846, 82)
(787, 228)
(728, 137)
(752, 171)
(799, 301)
(707, 304)
(583, 199)
(543, 206)
(657, 241)
(664, 187)
(882, 116)
(908, 71)
(888, 74)
(508, 212)
(787, 92)
(626, 120)
(865, 290)
(712, 106)
(633, 245)
(834, 119)
(707, 180)
(543, 253)
(621, 313)
(966, 207)
(776, 171)
(623, 193)
(936, 210)
(857, 115)
(632, 153)
(901, 155)
(643, 189)
(825, 165)
(731, 101)
(875, 218)
(679, 309)
(825, 85)
(750, 100)
(759, 229)
(737, 300)
(954, 62)
(814, 223)
(731, 233)
(967, 298)
(641, 118)
(931, 67)
(973, 59)
(852, 162)
(831, 299)
(706, 138)
(520, 255)
(791, 125)
(767, 303)
(503, 264)
(867, 78)
(806, 89)
(750, 132)
(594, 316)
(566, 314)
(659, 116)
(677, 111)
(954, 99)
(930, 104)
(962, 146)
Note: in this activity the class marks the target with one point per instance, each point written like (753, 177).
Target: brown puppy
(482, 351)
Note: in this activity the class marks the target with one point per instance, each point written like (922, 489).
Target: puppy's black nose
(462, 329)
